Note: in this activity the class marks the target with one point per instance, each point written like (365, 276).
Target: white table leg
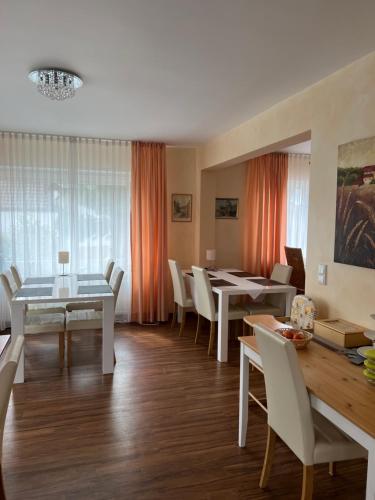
(244, 398)
(222, 340)
(108, 334)
(370, 486)
(17, 314)
(288, 301)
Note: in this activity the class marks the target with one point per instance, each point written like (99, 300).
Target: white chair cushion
(262, 308)
(44, 323)
(332, 445)
(83, 320)
(45, 308)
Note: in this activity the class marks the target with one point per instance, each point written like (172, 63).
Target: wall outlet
(322, 274)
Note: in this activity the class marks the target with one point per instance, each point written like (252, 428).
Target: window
(61, 193)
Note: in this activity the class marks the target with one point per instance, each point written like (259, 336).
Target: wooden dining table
(63, 289)
(337, 389)
(235, 282)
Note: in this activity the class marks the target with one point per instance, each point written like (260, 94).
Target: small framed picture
(182, 207)
(226, 208)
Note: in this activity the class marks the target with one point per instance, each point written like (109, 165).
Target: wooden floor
(163, 427)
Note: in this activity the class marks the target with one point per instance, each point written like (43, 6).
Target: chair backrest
(204, 299)
(8, 370)
(115, 282)
(108, 270)
(9, 285)
(280, 273)
(16, 275)
(179, 288)
(288, 404)
(294, 258)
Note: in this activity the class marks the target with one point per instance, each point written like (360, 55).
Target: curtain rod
(70, 137)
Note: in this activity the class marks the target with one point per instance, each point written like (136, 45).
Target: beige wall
(181, 178)
(337, 110)
(230, 183)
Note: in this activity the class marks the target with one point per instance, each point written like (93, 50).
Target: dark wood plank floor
(163, 427)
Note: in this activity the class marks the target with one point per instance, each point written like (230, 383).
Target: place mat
(221, 283)
(241, 274)
(43, 280)
(45, 291)
(266, 282)
(90, 277)
(94, 289)
(209, 275)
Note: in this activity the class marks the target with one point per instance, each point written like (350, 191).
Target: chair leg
(2, 491)
(174, 318)
(244, 328)
(212, 337)
(183, 319)
(62, 349)
(308, 482)
(332, 469)
(69, 348)
(198, 328)
(268, 458)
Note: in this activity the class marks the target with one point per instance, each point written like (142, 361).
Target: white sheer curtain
(298, 200)
(62, 193)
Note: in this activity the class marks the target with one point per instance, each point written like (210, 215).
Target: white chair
(96, 306)
(307, 433)
(206, 307)
(108, 270)
(182, 301)
(7, 373)
(87, 319)
(39, 323)
(35, 308)
(273, 303)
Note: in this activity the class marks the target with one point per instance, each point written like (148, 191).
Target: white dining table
(240, 285)
(63, 289)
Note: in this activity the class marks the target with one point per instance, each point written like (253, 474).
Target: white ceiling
(179, 71)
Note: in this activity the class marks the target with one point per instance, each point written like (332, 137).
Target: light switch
(322, 274)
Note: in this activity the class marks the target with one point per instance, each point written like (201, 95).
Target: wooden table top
(330, 377)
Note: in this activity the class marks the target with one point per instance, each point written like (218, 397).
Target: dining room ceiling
(179, 71)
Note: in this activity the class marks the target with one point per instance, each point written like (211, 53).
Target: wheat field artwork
(355, 204)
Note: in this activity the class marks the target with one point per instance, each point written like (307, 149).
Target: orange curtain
(149, 233)
(265, 216)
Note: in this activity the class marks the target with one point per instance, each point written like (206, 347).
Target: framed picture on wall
(355, 204)
(182, 207)
(226, 208)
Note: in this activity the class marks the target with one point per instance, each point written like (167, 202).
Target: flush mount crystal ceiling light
(57, 84)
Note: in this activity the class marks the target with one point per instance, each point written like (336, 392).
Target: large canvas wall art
(355, 204)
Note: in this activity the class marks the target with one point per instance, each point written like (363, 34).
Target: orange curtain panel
(149, 233)
(265, 229)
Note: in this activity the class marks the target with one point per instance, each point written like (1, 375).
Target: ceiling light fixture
(56, 84)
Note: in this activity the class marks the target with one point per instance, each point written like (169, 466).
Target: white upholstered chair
(8, 370)
(182, 301)
(95, 305)
(38, 323)
(273, 303)
(35, 308)
(89, 319)
(307, 433)
(206, 307)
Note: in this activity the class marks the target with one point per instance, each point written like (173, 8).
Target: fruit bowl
(300, 338)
